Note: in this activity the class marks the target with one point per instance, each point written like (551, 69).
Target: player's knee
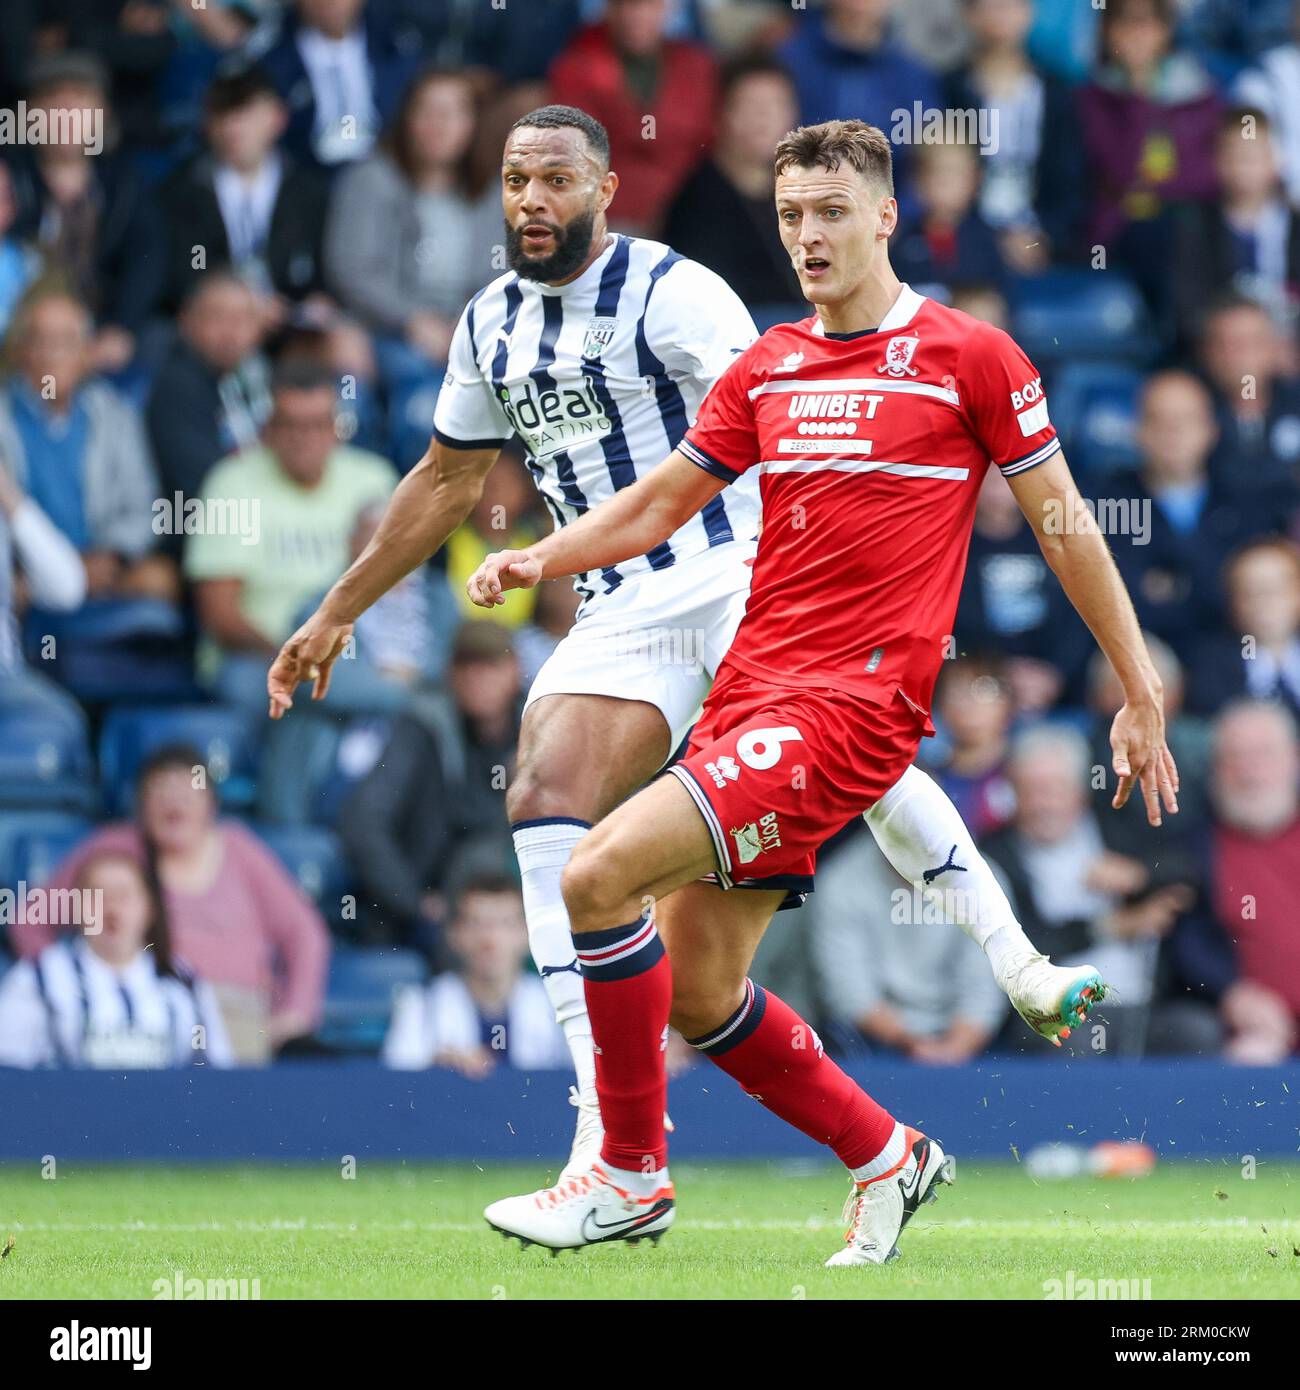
(598, 893)
(701, 1007)
(538, 794)
(589, 894)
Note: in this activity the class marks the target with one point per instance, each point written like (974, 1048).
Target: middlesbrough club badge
(898, 357)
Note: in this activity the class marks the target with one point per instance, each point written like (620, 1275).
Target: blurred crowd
(226, 303)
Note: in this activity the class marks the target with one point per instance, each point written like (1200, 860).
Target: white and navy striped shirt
(600, 378)
(70, 1008)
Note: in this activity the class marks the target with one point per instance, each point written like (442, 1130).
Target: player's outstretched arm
(1074, 547)
(626, 525)
(425, 508)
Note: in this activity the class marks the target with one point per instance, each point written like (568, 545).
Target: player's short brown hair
(863, 147)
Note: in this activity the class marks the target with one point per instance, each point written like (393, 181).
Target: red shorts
(776, 770)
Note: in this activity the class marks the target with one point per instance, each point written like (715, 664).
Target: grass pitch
(1195, 1230)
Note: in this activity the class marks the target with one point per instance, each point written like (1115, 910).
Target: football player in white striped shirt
(596, 350)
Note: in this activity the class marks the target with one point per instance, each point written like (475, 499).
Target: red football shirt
(871, 448)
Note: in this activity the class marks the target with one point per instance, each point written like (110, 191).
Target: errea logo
(725, 770)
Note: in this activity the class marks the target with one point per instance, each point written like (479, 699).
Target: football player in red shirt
(873, 424)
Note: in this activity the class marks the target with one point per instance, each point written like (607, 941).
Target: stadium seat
(1076, 314)
(359, 995)
(1094, 406)
(310, 764)
(32, 842)
(37, 852)
(227, 738)
(44, 762)
(117, 649)
(314, 857)
(118, 620)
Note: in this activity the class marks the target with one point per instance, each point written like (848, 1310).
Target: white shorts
(659, 637)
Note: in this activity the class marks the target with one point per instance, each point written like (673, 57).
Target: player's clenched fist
(502, 570)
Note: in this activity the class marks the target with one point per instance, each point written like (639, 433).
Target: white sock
(889, 1157)
(543, 848)
(918, 829)
(636, 1182)
(1007, 950)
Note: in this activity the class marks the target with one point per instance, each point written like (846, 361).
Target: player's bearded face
(562, 252)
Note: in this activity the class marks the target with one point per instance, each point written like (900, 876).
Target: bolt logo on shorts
(756, 837)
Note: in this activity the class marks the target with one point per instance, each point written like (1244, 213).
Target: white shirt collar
(316, 47)
(900, 313)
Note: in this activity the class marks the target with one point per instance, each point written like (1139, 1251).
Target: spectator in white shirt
(405, 636)
(340, 66)
(110, 996)
(487, 1010)
(37, 563)
(347, 121)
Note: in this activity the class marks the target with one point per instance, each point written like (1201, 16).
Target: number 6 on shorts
(761, 748)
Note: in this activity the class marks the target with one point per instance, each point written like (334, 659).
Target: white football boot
(878, 1209)
(588, 1209)
(588, 1136)
(1053, 999)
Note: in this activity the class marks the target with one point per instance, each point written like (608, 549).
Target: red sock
(629, 986)
(778, 1059)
